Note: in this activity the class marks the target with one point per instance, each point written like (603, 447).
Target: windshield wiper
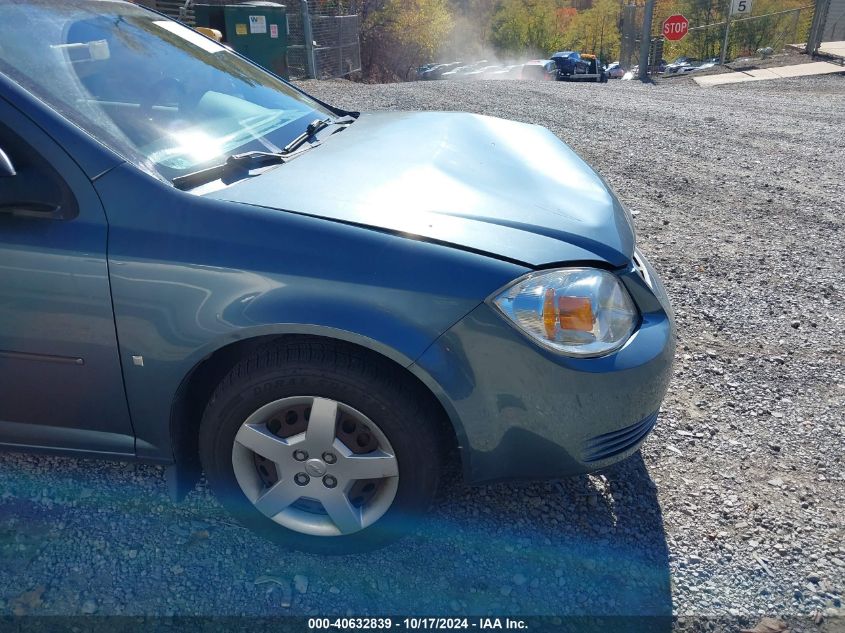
(311, 130)
(255, 160)
(247, 160)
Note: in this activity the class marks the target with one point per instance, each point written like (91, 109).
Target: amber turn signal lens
(572, 313)
(576, 313)
(549, 316)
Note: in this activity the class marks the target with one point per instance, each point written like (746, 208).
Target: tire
(298, 382)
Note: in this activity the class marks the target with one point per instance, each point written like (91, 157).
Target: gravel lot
(735, 508)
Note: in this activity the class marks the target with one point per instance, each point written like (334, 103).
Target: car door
(61, 385)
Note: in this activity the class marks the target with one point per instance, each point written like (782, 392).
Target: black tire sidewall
(414, 445)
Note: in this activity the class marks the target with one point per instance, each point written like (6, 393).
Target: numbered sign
(740, 7)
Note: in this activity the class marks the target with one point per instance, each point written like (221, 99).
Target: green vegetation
(399, 35)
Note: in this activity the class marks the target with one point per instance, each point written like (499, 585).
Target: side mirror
(6, 167)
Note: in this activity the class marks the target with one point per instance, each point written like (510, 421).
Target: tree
(595, 30)
(531, 26)
(399, 35)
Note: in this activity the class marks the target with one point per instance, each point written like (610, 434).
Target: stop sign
(675, 27)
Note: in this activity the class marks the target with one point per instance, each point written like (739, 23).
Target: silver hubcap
(315, 466)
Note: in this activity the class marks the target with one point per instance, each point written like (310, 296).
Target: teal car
(203, 267)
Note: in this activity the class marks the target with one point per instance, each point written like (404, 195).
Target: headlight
(574, 311)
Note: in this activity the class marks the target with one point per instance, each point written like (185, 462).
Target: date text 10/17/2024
(414, 624)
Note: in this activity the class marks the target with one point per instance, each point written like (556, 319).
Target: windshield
(157, 92)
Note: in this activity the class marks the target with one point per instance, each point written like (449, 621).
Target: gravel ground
(735, 507)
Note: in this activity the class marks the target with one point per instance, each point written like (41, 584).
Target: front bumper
(523, 412)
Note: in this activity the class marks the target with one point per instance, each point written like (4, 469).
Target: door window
(36, 189)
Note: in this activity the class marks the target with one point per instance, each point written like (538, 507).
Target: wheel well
(199, 385)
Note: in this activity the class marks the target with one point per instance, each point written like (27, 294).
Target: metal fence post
(308, 36)
(645, 39)
(724, 54)
(819, 16)
(339, 46)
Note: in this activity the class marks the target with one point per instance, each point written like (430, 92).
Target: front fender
(190, 276)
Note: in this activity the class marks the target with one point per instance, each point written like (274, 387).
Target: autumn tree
(595, 30)
(399, 35)
(526, 26)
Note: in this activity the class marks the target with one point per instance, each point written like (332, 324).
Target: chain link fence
(333, 49)
(834, 29)
(827, 34)
(335, 40)
(777, 31)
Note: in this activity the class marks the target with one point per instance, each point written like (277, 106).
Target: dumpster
(257, 30)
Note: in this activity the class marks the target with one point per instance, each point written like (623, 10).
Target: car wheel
(321, 447)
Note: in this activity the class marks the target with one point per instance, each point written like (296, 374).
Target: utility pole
(601, 40)
(645, 39)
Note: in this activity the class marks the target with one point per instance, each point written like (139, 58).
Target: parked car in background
(424, 72)
(180, 286)
(512, 71)
(452, 73)
(570, 64)
(437, 70)
(694, 67)
(540, 69)
(697, 67)
(615, 71)
(460, 72)
(484, 72)
(679, 63)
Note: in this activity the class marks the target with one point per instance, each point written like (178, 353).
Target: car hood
(498, 187)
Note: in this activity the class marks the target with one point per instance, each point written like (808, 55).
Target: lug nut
(329, 458)
(301, 479)
(329, 481)
(300, 456)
